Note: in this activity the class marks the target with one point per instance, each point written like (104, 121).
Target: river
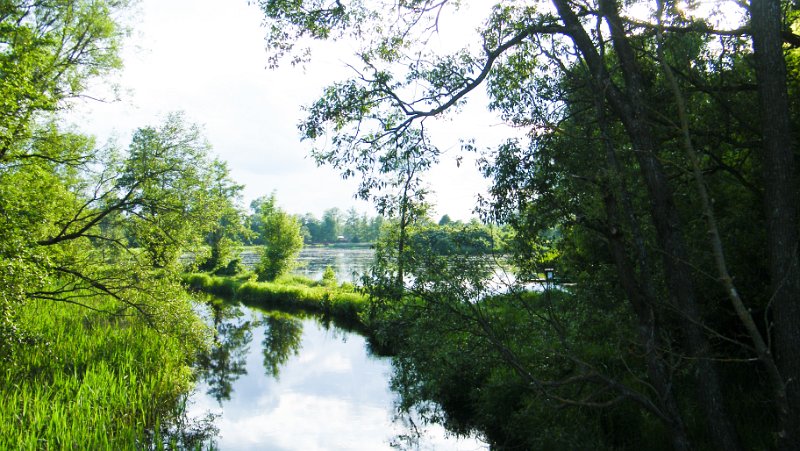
(277, 382)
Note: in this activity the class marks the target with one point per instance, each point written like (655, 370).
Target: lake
(277, 382)
(312, 261)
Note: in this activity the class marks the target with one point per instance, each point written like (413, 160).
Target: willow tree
(609, 94)
(49, 52)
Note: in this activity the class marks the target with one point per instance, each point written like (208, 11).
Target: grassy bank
(87, 380)
(341, 303)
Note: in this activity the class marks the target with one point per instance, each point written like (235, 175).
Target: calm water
(276, 382)
(312, 261)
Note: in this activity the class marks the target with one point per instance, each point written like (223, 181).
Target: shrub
(233, 268)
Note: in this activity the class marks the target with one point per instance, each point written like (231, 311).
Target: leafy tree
(51, 50)
(68, 219)
(354, 229)
(176, 187)
(282, 240)
(330, 227)
(224, 239)
(635, 124)
(311, 228)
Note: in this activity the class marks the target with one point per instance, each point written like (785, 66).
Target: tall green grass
(89, 381)
(343, 303)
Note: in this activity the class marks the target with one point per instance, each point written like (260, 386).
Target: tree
(50, 51)
(780, 183)
(71, 208)
(330, 227)
(68, 221)
(611, 165)
(225, 238)
(354, 229)
(175, 186)
(282, 240)
(311, 228)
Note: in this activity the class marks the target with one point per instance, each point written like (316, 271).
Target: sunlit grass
(89, 381)
(343, 303)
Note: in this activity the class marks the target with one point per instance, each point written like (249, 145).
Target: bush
(282, 239)
(329, 277)
(233, 268)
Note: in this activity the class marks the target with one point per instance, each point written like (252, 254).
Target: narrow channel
(278, 382)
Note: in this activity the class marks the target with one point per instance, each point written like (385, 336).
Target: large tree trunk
(780, 201)
(639, 290)
(648, 331)
(630, 106)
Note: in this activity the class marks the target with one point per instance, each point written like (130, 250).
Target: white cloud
(208, 60)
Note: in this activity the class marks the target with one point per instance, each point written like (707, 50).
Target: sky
(208, 59)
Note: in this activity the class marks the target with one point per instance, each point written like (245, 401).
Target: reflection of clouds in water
(332, 396)
(308, 422)
(332, 363)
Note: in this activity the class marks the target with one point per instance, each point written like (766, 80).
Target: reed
(89, 381)
(342, 303)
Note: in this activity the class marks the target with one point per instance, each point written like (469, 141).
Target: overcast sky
(208, 58)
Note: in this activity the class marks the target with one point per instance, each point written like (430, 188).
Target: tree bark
(630, 106)
(724, 276)
(780, 201)
(639, 290)
(648, 331)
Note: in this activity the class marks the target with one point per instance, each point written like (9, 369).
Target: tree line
(335, 226)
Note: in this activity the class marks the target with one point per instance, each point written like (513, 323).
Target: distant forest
(335, 226)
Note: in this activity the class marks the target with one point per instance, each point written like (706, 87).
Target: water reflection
(282, 335)
(332, 394)
(226, 362)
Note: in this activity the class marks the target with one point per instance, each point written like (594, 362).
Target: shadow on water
(282, 337)
(226, 361)
(308, 384)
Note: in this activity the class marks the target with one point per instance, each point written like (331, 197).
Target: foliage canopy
(282, 240)
(659, 162)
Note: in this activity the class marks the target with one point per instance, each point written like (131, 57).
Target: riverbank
(341, 303)
(467, 364)
(84, 377)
